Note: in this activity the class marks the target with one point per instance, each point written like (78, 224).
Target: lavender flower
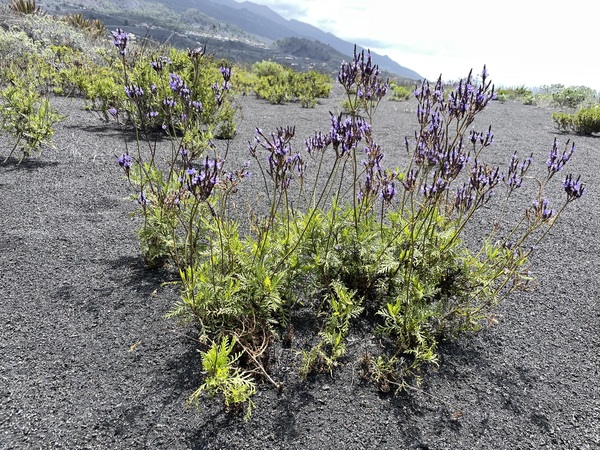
(410, 180)
(348, 73)
(574, 188)
(142, 199)
(201, 182)
(388, 187)
(542, 210)
(196, 53)
(319, 141)
(362, 76)
(120, 39)
(133, 91)
(347, 132)
(435, 189)
(113, 112)
(557, 161)
(470, 99)
(517, 171)
(169, 102)
(231, 180)
(226, 73)
(125, 162)
(282, 162)
(160, 63)
(483, 139)
(483, 178)
(196, 105)
(464, 197)
(375, 181)
(179, 87)
(452, 160)
(425, 155)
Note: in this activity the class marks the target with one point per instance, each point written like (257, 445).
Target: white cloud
(522, 42)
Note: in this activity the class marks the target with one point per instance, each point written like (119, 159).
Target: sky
(527, 43)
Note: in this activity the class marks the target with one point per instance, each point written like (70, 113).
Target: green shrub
(572, 97)
(27, 116)
(94, 27)
(520, 93)
(350, 241)
(585, 121)
(563, 121)
(529, 100)
(24, 7)
(400, 93)
(279, 84)
(310, 86)
(236, 386)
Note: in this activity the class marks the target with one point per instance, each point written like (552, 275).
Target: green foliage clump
(42, 31)
(95, 27)
(311, 86)
(343, 307)
(26, 115)
(236, 386)
(400, 93)
(585, 121)
(520, 93)
(572, 97)
(25, 7)
(279, 84)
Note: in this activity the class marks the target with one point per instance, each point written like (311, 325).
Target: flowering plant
(27, 115)
(342, 237)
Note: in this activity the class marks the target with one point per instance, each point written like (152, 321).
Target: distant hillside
(242, 32)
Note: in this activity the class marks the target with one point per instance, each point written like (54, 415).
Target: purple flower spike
(178, 86)
(125, 162)
(196, 53)
(464, 198)
(120, 39)
(388, 190)
(133, 91)
(226, 73)
(517, 171)
(557, 161)
(574, 188)
(201, 181)
(542, 209)
(142, 199)
(160, 63)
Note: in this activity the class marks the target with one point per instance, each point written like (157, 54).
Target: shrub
(520, 93)
(563, 121)
(279, 84)
(587, 120)
(572, 97)
(310, 86)
(584, 121)
(24, 7)
(94, 27)
(347, 241)
(400, 93)
(27, 116)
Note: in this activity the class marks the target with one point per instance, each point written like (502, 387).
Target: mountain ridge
(244, 32)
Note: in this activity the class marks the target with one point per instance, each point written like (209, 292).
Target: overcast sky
(524, 42)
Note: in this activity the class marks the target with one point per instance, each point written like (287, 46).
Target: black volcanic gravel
(89, 362)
